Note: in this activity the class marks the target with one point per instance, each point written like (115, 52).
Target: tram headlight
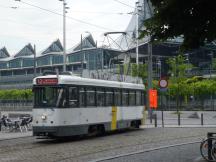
(43, 117)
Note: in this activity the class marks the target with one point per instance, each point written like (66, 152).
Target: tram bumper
(45, 131)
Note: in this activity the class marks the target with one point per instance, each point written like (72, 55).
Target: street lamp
(187, 63)
(137, 31)
(211, 57)
(159, 67)
(64, 33)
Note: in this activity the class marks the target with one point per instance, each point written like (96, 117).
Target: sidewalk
(12, 135)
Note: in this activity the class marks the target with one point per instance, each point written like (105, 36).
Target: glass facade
(91, 59)
(28, 62)
(44, 60)
(76, 57)
(57, 59)
(3, 65)
(16, 63)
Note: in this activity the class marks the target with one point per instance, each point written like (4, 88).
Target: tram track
(143, 151)
(90, 148)
(136, 152)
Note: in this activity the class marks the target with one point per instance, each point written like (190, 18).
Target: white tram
(66, 105)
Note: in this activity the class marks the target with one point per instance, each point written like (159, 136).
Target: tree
(139, 70)
(178, 78)
(193, 20)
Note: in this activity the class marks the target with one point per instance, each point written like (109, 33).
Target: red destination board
(47, 81)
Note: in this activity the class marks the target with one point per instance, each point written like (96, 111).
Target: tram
(67, 105)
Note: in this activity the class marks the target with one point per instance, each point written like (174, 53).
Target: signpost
(163, 84)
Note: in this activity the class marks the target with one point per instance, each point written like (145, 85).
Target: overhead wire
(56, 13)
(124, 4)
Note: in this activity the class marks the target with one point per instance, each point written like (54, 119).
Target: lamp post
(211, 98)
(159, 68)
(35, 61)
(210, 69)
(137, 31)
(64, 33)
(187, 63)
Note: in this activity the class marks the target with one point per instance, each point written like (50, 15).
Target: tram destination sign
(47, 81)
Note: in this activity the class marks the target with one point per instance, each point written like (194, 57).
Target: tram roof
(75, 80)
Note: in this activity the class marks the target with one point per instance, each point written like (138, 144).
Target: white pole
(137, 36)
(64, 36)
(34, 60)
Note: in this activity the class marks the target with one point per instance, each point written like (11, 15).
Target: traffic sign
(163, 83)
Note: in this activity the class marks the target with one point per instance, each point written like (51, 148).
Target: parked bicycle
(10, 125)
(208, 149)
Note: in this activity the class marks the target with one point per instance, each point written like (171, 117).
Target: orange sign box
(153, 98)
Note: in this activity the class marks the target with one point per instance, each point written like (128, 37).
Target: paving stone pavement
(11, 135)
(86, 149)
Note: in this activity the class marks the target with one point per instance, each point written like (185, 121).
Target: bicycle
(209, 155)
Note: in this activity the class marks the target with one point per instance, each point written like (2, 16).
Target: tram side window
(100, 97)
(138, 98)
(109, 97)
(90, 96)
(125, 97)
(142, 98)
(73, 97)
(117, 97)
(132, 98)
(82, 96)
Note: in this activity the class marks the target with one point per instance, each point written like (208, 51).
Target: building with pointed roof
(87, 42)
(19, 70)
(4, 53)
(25, 51)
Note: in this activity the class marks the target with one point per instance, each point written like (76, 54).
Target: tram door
(114, 118)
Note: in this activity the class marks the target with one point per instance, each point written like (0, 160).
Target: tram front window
(49, 97)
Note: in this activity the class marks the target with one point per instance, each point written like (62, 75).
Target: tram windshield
(49, 97)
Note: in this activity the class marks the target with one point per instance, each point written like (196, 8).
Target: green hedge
(16, 94)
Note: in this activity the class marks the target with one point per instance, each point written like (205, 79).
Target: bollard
(150, 111)
(202, 119)
(155, 117)
(179, 119)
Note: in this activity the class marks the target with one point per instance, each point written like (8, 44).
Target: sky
(22, 24)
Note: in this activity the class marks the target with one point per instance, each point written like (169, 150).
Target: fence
(206, 103)
(182, 118)
(16, 105)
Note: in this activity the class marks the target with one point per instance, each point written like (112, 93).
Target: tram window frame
(102, 92)
(138, 98)
(41, 94)
(76, 99)
(132, 97)
(82, 91)
(119, 103)
(125, 97)
(142, 97)
(92, 96)
(109, 98)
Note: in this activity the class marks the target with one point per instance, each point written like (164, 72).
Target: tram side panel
(125, 115)
(75, 121)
